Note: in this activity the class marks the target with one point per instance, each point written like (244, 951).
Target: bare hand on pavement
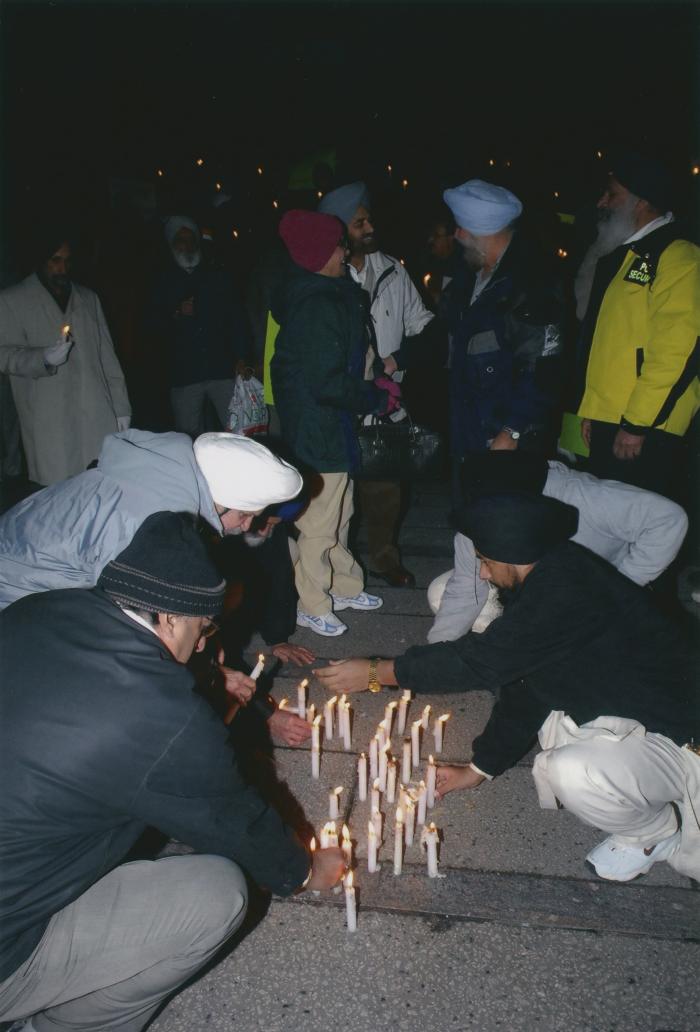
(328, 868)
(296, 654)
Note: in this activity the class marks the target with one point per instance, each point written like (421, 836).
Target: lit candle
(258, 668)
(425, 719)
(381, 734)
(283, 703)
(410, 820)
(344, 712)
(331, 834)
(398, 841)
(426, 279)
(422, 803)
(388, 168)
(404, 184)
(333, 803)
(406, 761)
(383, 766)
(66, 334)
(415, 742)
(431, 775)
(323, 837)
(301, 698)
(430, 841)
(403, 711)
(310, 713)
(316, 748)
(374, 801)
(374, 758)
(377, 823)
(439, 731)
(362, 777)
(328, 717)
(350, 908)
(389, 716)
(391, 781)
(371, 848)
(347, 846)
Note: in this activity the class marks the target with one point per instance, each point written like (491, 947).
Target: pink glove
(393, 391)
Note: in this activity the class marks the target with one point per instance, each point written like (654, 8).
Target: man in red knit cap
(317, 378)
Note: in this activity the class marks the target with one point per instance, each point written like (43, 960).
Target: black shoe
(396, 577)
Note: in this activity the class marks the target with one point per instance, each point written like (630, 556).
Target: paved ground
(518, 935)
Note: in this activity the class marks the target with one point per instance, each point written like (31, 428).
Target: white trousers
(617, 777)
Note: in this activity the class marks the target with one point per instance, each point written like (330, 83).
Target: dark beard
(506, 596)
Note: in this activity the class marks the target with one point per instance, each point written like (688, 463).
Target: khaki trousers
(324, 563)
(110, 958)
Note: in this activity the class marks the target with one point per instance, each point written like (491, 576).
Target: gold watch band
(373, 684)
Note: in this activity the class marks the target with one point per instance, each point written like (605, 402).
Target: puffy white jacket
(397, 310)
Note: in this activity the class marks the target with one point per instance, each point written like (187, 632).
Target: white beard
(613, 229)
(188, 261)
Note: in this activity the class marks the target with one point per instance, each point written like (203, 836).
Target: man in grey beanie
(102, 736)
(397, 313)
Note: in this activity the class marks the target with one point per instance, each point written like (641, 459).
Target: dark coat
(504, 368)
(578, 637)
(317, 369)
(101, 737)
(207, 344)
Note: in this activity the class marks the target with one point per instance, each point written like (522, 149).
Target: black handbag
(400, 451)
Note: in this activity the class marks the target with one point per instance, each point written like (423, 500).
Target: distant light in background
(260, 171)
(217, 186)
(491, 162)
(426, 279)
(695, 170)
(556, 193)
(562, 253)
(319, 194)
(234, 234)
(404, 184)
(389, 169)
(599, 154)
(402, 261)
(200, 162)
(160, 172)
(508, 164)
(275, 204)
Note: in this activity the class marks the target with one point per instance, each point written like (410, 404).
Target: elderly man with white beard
(638, 292)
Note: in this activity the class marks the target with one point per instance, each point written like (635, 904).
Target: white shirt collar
(650, 227)
(137, 618)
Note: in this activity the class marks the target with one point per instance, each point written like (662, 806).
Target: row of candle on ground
(414, 804)
(329, 837)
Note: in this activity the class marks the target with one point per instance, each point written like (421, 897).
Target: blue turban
(344, 201)
(482, 208)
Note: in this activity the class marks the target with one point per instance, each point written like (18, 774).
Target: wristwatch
(373, 684)
(515, 434)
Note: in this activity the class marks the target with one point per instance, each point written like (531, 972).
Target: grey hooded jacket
(64, 535)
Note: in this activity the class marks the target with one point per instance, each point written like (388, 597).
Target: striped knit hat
(165, 569)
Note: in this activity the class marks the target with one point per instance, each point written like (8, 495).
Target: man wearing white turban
(503, 315)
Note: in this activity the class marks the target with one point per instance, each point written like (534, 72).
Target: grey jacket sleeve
(464, 598)
(22, 361)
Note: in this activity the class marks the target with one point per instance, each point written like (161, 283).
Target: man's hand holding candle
(288, 727)
(450, 779)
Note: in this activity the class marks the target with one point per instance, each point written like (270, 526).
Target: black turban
(493, 472)
(645, 177)
(517, 528)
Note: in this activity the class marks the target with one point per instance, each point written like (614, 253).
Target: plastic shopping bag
(247, 411)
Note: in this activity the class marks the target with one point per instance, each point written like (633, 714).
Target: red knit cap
(311, 237)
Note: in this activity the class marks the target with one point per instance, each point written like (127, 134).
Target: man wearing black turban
(581, 657)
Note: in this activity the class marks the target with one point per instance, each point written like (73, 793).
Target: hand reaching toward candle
(288, 727)
(328, 868)
(345, 676)
(236, 683)
(296, 654)
(449, 779)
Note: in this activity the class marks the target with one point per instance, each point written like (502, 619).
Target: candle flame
(275, 204)
(317, 721)
(404, 183)
(330, 827)
(332, 702)
(312, 844)
(346, 833)
(406, 697)
(375, 784)
(695, 170)
(388, 168)
(391, 705)
(159, 172)
(426, 279)
(319, 194)
(427, 709)
(235, 234)
(343, 699)
(218, 186)
(283, 703)
(417, 723)
(431, 761)
(338, 790)
(432, 827)
(445, 716)
(304, 683)
(200, 161)
(66, 330)
(362, 756)
(261, 658)
(260, 171)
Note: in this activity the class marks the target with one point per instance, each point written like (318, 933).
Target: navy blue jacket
(504, 370)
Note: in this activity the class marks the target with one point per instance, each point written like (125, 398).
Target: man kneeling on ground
(102, 736)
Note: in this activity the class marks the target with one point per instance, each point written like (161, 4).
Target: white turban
(243, 474)
(344, 202)
(482, 208)
(177, 222)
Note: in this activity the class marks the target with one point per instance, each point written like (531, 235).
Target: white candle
(331, 834)
(415, 742)
(422, 801)
(431, 845)
(362, 777)
(398, 841)
(377, 822)
(346, 846)
(333, 803)
(374, 802)
(301, 698)
(350, 908)
(371, 848)
(425, 719)
(391, 781)
(410, 820)
(381, 734)
(316, 748)
(374, 758)
(328, 717)
(403, 711)
(383, 765)
(323, 837)
(283, 703)
(431, 775)
(389, 716)
(439, 731)
(258, 668)
(345, 724)
(310, 713)
(406, 761)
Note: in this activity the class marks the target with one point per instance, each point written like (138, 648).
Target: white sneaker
(616, 862)
(328, 625)
(361, 601)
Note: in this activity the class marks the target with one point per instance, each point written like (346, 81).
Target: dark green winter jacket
(317, 369)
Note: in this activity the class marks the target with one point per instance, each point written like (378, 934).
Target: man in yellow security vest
(641, 324)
